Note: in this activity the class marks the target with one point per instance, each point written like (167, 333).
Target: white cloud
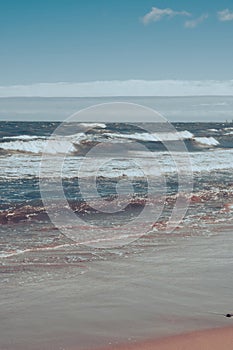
(194, 22)
(122, 88)
(157, 14)
(225, 15)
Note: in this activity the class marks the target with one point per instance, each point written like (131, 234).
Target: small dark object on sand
(229, 315)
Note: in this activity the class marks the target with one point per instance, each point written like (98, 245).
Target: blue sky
(78, 41)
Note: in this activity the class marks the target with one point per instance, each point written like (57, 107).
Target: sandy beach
(213, 339)
(183, 288)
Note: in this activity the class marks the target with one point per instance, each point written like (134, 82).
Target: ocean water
(114, 274)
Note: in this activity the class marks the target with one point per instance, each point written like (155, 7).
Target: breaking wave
(75, 144)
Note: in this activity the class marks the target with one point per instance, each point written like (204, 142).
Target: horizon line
(121, 88)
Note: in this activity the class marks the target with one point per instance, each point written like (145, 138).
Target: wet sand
(151, 291)
(213, 339)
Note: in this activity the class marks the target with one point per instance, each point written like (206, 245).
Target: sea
(114, 232)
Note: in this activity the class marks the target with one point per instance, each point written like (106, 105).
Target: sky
(77, 41)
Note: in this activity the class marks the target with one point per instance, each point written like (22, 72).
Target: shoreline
(208, 339)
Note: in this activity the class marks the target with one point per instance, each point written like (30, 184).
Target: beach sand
(150, 297)
(213, 339)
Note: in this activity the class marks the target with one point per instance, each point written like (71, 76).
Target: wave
(129, 204)
(206, 141)
(24, 137)
(16, 252)
(92, 125)
(76, 143)
(153, 137)
(80, 142)
(213, 130)
(38, 146)
(230, 128)
(166, 137)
